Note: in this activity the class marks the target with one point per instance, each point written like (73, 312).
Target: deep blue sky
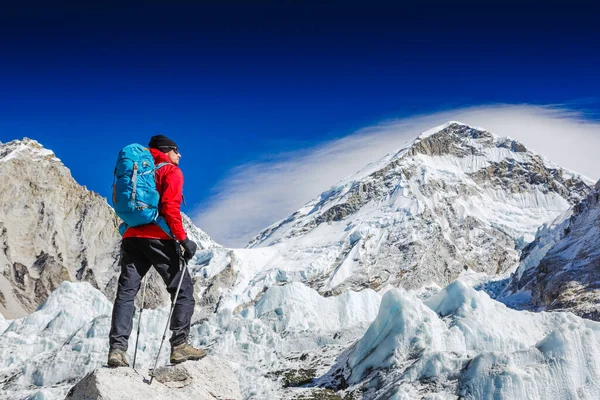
(231, 82)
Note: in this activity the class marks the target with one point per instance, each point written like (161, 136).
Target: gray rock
(207, 379)
(51, 228)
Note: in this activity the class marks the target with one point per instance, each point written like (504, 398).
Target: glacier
(456, 343)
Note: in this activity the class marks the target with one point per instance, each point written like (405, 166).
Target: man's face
(174, 156)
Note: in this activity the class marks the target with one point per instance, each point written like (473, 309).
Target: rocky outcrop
(207, 379)
(51, 228)
(451, 141)
(560, 269)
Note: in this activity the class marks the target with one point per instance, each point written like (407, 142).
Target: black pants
(137, 256)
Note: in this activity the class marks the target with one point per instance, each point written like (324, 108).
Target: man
(149, 245)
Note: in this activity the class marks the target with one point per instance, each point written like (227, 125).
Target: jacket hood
(159, 156)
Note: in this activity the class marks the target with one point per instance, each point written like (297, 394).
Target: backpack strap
(122, 228)
(160, 221)
(159, 166)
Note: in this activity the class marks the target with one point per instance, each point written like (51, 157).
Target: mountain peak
(460, 140)
(449, 127)
(18, 148)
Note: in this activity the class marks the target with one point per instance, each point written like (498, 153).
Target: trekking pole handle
(180, 250)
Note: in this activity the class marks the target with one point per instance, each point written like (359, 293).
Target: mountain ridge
(51, 228)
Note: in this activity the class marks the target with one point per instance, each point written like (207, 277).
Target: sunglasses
(175, 149)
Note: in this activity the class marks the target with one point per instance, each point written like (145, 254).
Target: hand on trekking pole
(189, 248)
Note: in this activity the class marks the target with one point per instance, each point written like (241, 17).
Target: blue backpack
(135, 197)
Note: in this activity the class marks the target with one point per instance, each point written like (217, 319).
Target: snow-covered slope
(560, 268)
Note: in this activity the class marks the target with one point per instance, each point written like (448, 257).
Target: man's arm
(171, 202)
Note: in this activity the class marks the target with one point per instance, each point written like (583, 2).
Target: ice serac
(461, 344)
(52, 349)
(459, 197)
(51, 228)
(560, 269)
(58, 343)
(207, 379)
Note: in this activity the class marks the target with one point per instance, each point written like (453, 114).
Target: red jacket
(169, 183)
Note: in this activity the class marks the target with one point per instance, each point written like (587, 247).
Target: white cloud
(256, 195)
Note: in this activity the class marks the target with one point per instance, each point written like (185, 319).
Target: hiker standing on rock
(156, 244)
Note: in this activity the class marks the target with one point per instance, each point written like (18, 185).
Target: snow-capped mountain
(459, 197)
(559, 269)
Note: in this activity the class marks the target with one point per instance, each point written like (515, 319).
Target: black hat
(161, 141)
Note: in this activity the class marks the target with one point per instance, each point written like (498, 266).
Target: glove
(189, 248)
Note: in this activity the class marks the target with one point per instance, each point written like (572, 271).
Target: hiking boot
(185, 352)
(117, 358)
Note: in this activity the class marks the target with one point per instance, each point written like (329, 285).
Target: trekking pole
(140, 320)
(182, 265)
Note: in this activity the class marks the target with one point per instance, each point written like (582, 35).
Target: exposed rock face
(207, 379)
(51, 228)
(561, 268)
(458, 197)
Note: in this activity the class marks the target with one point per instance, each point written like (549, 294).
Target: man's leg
(165, 259)
(134, 265)
(167, 263)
